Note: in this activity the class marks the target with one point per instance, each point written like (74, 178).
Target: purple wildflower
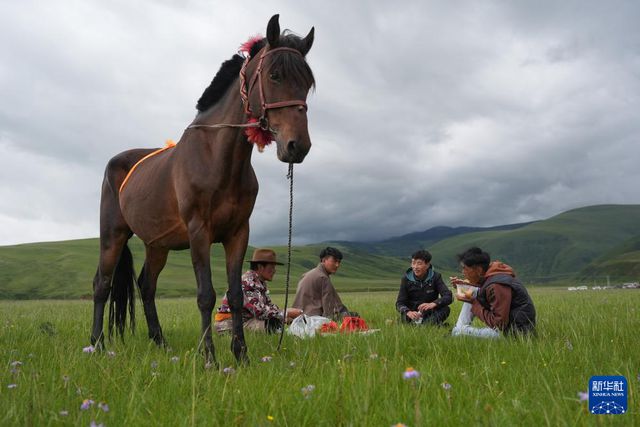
(103, 406)
(93, 424)
(86, 404)
(583, 396)
(446, 386)
(90, 349)
(410, 373)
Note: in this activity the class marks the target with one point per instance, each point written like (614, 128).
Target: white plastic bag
(305, 326)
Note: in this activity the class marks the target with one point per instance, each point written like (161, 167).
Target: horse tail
(122, 294)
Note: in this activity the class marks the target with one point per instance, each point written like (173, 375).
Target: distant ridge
(594, 244)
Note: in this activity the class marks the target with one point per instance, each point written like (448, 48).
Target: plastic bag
(305, 326)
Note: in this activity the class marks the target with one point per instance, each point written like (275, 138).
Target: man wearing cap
(258, 312)
(315, 294)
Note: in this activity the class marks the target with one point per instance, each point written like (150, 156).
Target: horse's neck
(230, 142)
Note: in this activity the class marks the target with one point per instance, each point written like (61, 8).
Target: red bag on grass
(353, 324)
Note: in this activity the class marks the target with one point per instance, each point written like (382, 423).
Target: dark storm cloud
(425, 114)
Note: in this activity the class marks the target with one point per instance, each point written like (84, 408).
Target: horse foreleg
(200, 257)
(235, 250)
(155, 261)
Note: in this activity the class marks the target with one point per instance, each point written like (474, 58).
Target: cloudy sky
(426, 113)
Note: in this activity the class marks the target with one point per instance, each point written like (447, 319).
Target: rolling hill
(585, 244)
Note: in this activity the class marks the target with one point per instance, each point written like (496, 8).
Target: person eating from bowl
(501, 301)
(423, 297)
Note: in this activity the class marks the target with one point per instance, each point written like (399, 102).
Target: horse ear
(307, 42)
(273, 31)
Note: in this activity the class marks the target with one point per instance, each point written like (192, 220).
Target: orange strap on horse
(167, 145)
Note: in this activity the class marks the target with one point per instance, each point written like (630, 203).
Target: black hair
(288, 66)
(422, 254)
(253, 265)
(475, 256)
(329, 251)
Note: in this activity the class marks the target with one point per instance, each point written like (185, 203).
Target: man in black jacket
(423, 296)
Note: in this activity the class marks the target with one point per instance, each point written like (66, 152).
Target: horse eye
(275, 77)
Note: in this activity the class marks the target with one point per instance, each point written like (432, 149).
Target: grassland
(357, 379)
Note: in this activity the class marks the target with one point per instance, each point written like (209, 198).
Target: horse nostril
(291, 145)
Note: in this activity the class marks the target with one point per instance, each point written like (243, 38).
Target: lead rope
(286, 286)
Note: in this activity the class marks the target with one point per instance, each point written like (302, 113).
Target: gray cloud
(427, 114)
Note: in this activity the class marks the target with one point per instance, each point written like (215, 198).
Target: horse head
(278, 89)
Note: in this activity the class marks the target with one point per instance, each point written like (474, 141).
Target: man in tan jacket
(315, 294)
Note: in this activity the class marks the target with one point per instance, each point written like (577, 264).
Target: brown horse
(202, 190)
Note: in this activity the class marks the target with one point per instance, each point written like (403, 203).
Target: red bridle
(257, 129)
(245, 91)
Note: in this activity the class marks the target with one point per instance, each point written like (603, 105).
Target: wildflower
(228, 370)
(347, 356)
(103, 406)
(583, 396)
(399, 425)
(373, 356)
(111, 353)
(63, 413)
(503, 363)
(66, 379)
(15, 364)
(568, 344)
(266, 359)
(86, 404)
(410, 373)
(292, 364)
(154, 364)
(208, 365)
(446, 386)
(12, 386)
(270, 418)
(90, 349)
(175, 359)
(93, 424)
(306, 391)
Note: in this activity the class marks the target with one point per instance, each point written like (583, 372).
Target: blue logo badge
(608, 394)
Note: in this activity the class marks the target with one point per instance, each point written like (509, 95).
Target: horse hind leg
(154, 263)
(111, 250)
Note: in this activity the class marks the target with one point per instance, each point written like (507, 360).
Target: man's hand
(463, 298)
(292, 313)
(414, 315)
(426, 306)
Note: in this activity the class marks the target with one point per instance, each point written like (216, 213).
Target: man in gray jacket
(315, 294)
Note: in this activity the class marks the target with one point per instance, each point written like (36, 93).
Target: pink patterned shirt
(256, 302)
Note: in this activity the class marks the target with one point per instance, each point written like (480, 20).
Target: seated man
(258, 312)
(501, 301)
(315, 294)
(423, 297)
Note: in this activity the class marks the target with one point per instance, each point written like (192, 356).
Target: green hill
(554, 249)
(581, 244)
(66, 270)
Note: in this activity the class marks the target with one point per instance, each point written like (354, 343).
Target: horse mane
(288, 65)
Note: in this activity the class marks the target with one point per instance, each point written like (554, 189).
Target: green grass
(358, 379)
